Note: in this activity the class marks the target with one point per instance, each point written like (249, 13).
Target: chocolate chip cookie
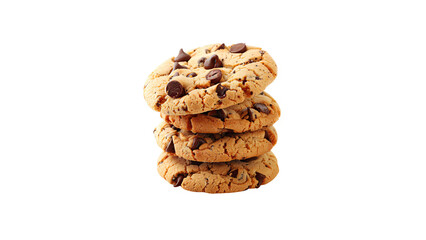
(207, 78)
(225, 177)
(214, 147)
(251, 115)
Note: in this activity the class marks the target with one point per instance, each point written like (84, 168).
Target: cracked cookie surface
(234, 176)
(223, 147)
(251, 115)
(208, 78)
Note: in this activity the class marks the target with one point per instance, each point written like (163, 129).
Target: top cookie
(209, 78)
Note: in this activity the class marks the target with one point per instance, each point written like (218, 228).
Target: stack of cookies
(217, 132)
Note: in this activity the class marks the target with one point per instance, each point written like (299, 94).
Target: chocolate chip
(267, 136)
(238, 48)
(221, 91)
(201, 61)
(257, 78)
(222, 46)
(177, 181)
(175, 75)
(262, 52)
(234, 173)
(261, 108)
(197, 142)
(212, 62)
(178, 66)
(170, 147)
(260, 178)
(250, 114)
(192, 74)
(182, 56)
(217, 114)
(174, 89)
(160, 101)
(214, 76)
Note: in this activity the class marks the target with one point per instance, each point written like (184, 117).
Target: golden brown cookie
(214, 147)
(251, 115)
(209, 78)
(234, 176)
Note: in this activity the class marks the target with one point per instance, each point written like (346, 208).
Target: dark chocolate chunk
(201, 61)
(160, 101)
(170, 147)
(178, 66)
(267, 136)
(217, 114)
(213, 62)
(182, 56)
(197, 142)
(214, 76)
(250, 114)
(192, 74)
(257, 78)
(222, 46)
(221, 91)
(238, 48)
(260, 178)
(177, 181)
(175, 75)
(234, 173)
(174, 89)
(261, 108)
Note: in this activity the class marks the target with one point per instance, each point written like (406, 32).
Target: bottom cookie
(224, 177)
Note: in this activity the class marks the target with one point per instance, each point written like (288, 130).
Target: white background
(77, 154)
